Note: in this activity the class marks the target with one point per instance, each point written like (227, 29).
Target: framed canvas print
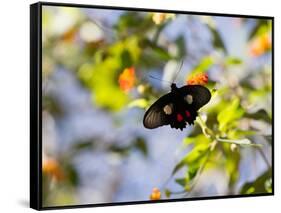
(134, 105)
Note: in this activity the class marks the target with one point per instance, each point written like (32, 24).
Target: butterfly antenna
(178, 71)
(159, 79)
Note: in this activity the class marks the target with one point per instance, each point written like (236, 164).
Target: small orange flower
(69, 35)
(127, 79)
(260, 45)
(156, 194)
(199, 79)
(159, 18)
(51, 167)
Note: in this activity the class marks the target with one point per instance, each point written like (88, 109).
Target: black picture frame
(36, 103)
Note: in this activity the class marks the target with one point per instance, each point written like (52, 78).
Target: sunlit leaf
(102, 75)
(233, 61)
(231, 113)
(203, 66)
(196, 153)
(195, 156)
(200, 138)
(141, 103)
(241, 142)
(261, 27)
(237, 134)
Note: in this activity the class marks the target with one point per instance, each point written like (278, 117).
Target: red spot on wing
(187, 113)
(179, 117)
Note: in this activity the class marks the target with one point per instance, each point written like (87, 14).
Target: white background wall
(14, 105)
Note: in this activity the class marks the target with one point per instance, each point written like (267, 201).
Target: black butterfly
(177, 107)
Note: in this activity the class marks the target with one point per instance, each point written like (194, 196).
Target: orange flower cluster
(260, 45)
(156, 194)
(127, 79)
(51, 167)
(199, 79)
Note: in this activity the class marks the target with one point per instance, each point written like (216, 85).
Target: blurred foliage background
(96, 88)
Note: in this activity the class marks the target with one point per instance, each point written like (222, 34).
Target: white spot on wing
(189, 99)
(168, 109)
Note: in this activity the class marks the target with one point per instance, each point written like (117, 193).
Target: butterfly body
(177, 108)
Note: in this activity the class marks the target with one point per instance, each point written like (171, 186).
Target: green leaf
(126, 59)
(167, 193)
(268, 138)
(161, 53)
(140, 144)
(128, 20)
(72, 175)
(232, 166)
(180, 42)
(157, 51)
(83, 145)
(192, 172)
(181, 181)
(123, 151)
(178, 167)
(259, 115)
(262, 184)
(217, 40)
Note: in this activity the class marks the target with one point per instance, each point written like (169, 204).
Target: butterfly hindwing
(184, 113)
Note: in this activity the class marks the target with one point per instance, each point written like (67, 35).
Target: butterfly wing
(155, 116)
(200, 95)
(182, 113)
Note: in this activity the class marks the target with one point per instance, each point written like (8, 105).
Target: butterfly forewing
(200, 94)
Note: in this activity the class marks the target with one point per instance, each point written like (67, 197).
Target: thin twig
(200, 171)
(264, 157)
